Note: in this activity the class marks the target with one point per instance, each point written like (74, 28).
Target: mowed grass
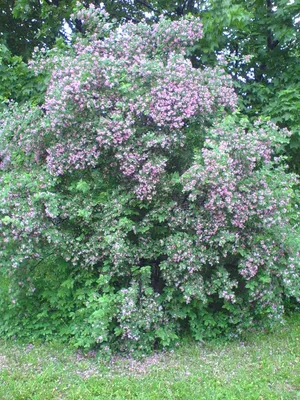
(262, 366)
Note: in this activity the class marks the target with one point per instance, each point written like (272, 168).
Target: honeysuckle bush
(137, 206)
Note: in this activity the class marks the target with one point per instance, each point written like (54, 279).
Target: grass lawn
(263, 366)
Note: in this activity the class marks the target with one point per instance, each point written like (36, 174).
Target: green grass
(264, 366)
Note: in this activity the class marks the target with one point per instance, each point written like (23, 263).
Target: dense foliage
(260, 39)
(135, 203)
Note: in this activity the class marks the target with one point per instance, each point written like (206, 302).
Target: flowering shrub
(133, 206)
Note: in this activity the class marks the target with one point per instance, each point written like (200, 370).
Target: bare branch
(148, 6)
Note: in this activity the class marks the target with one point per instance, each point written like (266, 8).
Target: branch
(148, 6)
(271, 42)
(43, 259)
(181, 9)
(63, 35)
(52, 3)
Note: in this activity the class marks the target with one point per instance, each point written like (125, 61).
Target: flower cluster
(120, 85)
